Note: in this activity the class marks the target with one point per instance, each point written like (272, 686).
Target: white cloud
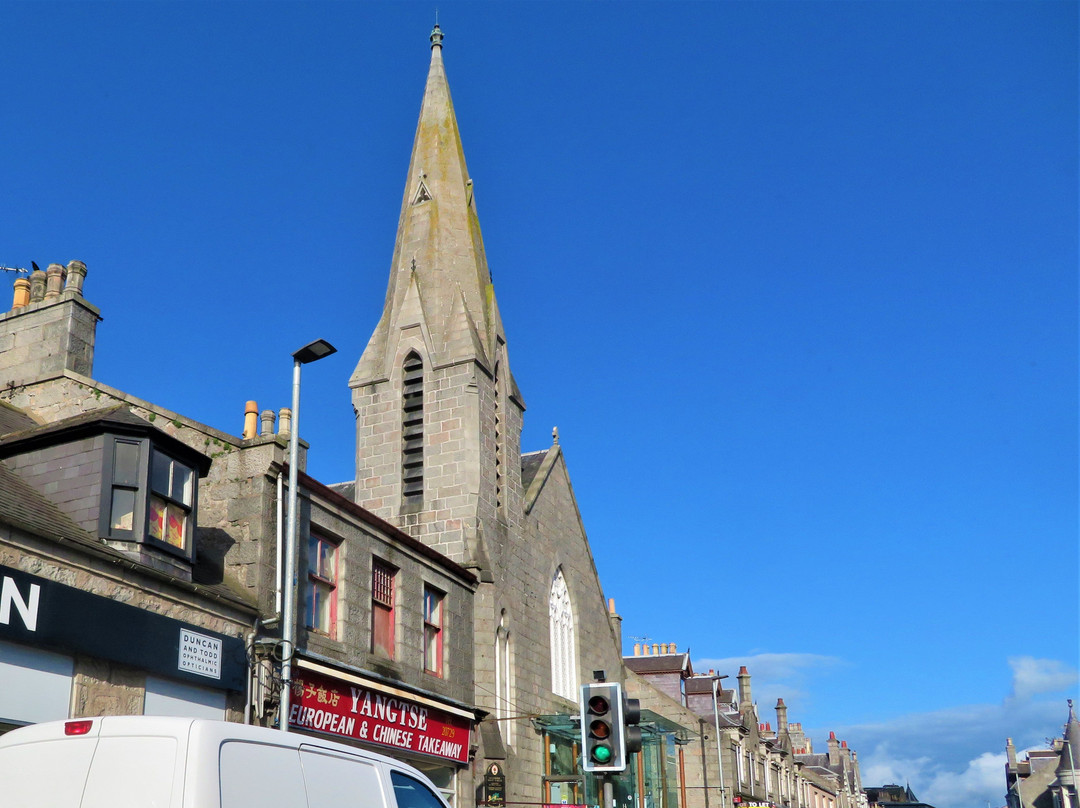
(768, 667)
(773, 676)
(1033, 677)
(982, 782)
(954, 758)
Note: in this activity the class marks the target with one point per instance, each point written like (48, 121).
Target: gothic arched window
(504, 681)
(563, 660)
(412, 430)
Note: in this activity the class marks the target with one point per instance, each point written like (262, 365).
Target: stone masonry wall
(553, 538)
(44, 339)
(350, 644)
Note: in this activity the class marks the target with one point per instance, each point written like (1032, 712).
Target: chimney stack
(781, 716)
(744, 688)
(834, 750)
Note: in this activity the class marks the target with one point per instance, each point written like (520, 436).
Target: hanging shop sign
(46, 614)
(335, 707)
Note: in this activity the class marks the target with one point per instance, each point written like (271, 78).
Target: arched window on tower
(504, 668)
(412, 431)
(563, 659)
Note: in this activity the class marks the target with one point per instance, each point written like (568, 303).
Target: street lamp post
(311, 352)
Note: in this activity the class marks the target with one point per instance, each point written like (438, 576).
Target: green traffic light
(601, 754)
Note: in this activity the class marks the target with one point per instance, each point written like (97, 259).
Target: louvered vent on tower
(498, 441)
(412, 431)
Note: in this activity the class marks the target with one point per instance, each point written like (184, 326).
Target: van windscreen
(411, 793)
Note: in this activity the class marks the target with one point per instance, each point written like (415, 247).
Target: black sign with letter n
(39, 612)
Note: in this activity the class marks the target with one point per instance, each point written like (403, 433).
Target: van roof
(206, 730)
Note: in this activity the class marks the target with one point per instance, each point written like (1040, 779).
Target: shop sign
(46, 614)
(348, 710)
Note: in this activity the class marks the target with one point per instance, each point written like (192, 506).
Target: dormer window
(152, 495)
(119, 477)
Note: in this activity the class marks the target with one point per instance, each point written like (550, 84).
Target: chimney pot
(671, 647)
(22, 293)
(54, 281)
(656, 648)
(267, 419)
(285, 421)
(251, 416)
(76, 274)
(611, 605)
(37, 286)
(637, 649)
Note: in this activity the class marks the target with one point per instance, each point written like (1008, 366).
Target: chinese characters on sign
(328, 705)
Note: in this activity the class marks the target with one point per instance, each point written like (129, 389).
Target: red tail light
(77, 727)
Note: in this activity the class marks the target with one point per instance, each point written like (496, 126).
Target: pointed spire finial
(436, 36)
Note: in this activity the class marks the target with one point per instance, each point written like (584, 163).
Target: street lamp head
(314, 351)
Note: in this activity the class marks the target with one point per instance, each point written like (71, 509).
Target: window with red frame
(321, 596)
(382, 609)
(433, 626)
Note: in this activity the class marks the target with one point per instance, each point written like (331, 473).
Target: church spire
(439, 277)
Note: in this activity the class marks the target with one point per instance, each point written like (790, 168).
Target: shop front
(651, 779)
(50, 631)
(420, 729)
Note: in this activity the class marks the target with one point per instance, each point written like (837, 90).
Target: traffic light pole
(607, 791)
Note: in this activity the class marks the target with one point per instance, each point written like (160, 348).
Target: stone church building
(438, 454)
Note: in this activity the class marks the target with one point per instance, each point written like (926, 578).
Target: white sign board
(200, 654)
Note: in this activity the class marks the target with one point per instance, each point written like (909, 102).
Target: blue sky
(797, 282)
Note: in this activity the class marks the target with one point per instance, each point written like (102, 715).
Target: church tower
(438, 415)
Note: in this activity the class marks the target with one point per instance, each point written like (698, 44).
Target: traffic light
(601, 727)
(631, 717)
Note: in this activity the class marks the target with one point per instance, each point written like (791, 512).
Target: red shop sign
(334, 707)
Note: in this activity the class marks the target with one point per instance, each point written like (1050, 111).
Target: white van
(150, 762)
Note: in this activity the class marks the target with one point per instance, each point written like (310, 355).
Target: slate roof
(24, 507)
(657, 663)
(12, 419)
(112, 419)
(347, 489)
(703, 684)
(530, 464)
